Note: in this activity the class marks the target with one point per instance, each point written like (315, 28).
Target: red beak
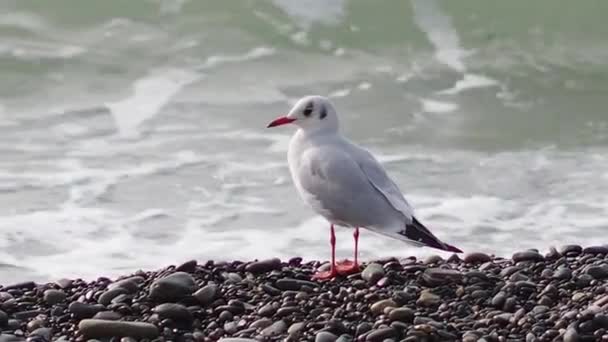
(281, 121)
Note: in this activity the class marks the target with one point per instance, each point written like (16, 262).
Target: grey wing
(336, 187)
(377, 176)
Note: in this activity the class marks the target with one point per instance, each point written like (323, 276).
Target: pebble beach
(559, 295)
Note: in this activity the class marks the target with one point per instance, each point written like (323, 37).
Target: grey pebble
(108, 315)
(206, 294)
(45, 333)
(372, 273)
(325, 336)
(476, 258)
(405, 315)
(172, 287)
(96, 328)
(276, 328)
(527, 256)
(84, 310)
(107, 297)
(3, 319)
(378, 307)
(261, 323)
(440, 276)
(263, 266)
(176, 312)
(293, 284)
(571, 335)
(381, 334)
(188, 266)
(598, 272)
(428, 298)
(52, 296)
(131, 284)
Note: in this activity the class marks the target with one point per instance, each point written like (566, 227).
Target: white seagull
(345, 183)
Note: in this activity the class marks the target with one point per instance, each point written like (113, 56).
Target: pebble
(562, 273)
(188, 267)
(108, 315)
(571, 250)
(571, 335)
(83, 310)
(476, 258)
(172, 287)
(3, 319)
(325, 336)
(293, 284)
(52, 296)
(131, 284)
(176, 312)
(440, 276)
(96, 328)
(527, 256)
(380, 335)
(107, 297)
(275, 328)
(206, 294)
(378, 307)
(263, 266)
(372, 273)
(428, 298)
(596, 250)
(598, 272)
(405, 315)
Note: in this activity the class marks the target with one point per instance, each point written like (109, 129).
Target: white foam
(255, 53)
(441, 33)
(469, 81)
(340, 93)
(433, 106)
(308, 12)
(150, 94)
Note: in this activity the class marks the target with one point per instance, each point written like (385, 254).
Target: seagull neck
(321, 130)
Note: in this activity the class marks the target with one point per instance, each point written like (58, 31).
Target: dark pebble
(405, 315)
(440, 276)
(372, 273)
(263, 266)
(293, 284)
(95, 328)
(206, 294)
(172, 287)
(476, 258)
(325, 336)
(381, 334)
(52, 296)
(596, 250)
(527, 256)
(598, 272)
(188, 267)
(107, 297)
(83, 310)
(275, 329)
(176, 312)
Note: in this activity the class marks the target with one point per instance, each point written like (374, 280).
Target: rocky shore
(558, 296)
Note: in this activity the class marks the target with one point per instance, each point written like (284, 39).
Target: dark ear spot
(323, 112)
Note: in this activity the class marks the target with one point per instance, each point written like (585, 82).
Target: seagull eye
(308, 110)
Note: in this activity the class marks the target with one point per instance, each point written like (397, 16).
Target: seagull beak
(281, 121)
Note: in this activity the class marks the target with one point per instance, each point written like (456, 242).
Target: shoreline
(560, 295)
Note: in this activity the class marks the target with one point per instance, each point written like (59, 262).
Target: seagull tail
(416, 231)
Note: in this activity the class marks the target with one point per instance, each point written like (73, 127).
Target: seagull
(346, 185)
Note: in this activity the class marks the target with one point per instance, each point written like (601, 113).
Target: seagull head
(311, 113)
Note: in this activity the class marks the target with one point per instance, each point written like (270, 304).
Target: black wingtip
(451, 248)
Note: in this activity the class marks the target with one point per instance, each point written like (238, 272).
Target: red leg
(356, 235)
(332, 273)
(347, 267)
